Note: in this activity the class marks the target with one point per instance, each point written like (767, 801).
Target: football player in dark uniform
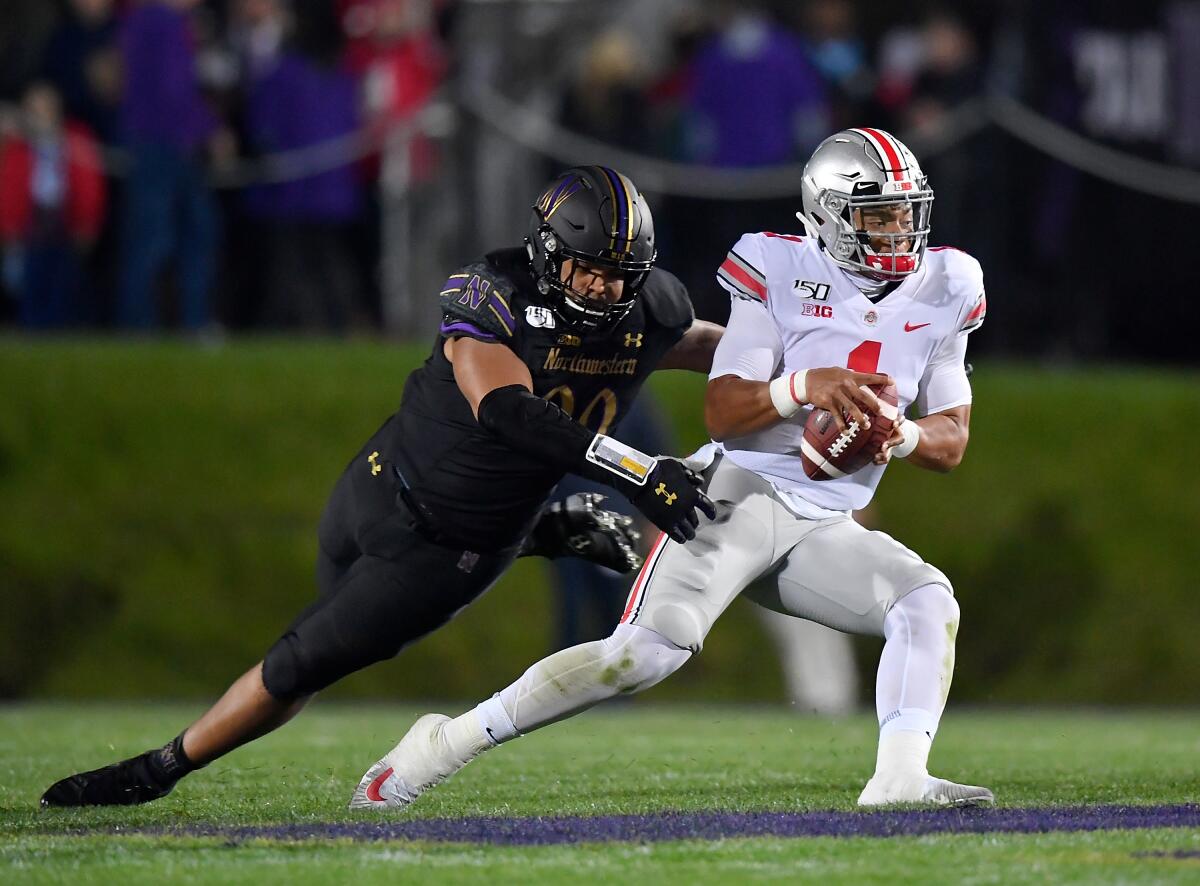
(540, 351)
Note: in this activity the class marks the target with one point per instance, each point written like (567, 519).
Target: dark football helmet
(596, 215)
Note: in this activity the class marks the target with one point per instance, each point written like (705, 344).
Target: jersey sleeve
(742, 274)
(751, 347)
(476, 303)
(944, 383)
(974, 316)
(967, 281)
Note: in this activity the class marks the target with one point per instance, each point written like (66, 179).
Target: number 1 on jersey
(865, 358)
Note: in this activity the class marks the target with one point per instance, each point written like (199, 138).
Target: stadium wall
(159, 504)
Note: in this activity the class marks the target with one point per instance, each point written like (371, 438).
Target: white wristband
(912, 436)
(788, 393)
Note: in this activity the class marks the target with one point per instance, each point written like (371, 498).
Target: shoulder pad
(963, 279)
(743, 274)
(666, 300)
(476, 301)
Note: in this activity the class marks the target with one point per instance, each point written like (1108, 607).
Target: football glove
(671, 497)
(579, 527)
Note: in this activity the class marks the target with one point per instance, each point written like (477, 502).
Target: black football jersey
(471, 486)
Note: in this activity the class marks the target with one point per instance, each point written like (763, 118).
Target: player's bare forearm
(943, 440)
(734, 407)
(695, 350)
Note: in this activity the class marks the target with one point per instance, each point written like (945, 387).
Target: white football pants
(831, 571)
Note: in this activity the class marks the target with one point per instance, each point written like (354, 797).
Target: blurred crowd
(133, 192)
(120, 117)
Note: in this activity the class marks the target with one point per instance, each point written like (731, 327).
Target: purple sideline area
(711, 825)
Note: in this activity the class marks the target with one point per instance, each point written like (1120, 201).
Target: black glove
(671, 497)
(579, 527)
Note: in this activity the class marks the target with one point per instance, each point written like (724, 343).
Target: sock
(903, 753)
(170, 762)
(493, 720)
(480, 729)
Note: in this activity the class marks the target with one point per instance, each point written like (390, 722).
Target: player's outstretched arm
(734, 406)
(936, 442)
(498, 386)
(695, 350)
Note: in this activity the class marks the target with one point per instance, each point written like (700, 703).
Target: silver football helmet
(858, 169)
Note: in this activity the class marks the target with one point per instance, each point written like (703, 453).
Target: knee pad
(639, 657)
(300, 663)
(282, 671)
(679, 620)
(931, 605)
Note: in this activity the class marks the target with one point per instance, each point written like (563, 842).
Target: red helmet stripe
(887, 150)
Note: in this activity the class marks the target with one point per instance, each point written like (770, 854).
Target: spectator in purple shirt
(166, 126)
(299, 99)
(753, 99)
(756, 99)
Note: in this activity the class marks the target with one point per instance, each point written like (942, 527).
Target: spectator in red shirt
(52, 203)
(393, 48)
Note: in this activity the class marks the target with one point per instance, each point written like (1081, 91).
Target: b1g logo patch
(539, 317)
(808, 309)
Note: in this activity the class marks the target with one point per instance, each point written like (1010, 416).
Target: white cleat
(421, 760)
(925, 790)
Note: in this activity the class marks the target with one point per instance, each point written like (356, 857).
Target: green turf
(636, 758)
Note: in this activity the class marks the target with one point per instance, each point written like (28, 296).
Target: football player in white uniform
(859, 300)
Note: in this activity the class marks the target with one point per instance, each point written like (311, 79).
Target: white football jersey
(794, 309)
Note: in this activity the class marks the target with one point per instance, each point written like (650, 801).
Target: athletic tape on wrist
(624, 461)
(912, 436)
(788, 393)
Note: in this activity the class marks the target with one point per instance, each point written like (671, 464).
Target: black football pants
(383, 583)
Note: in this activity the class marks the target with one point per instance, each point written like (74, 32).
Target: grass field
(275, 811)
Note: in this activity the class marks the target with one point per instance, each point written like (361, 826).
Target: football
(829, 453)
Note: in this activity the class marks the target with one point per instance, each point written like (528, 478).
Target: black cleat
(132, 781)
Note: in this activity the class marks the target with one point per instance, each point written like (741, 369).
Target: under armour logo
(633, 341)
(669, 496)
(376, 467)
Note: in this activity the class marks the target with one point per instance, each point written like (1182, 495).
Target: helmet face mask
(596, 217)
(862, 174)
